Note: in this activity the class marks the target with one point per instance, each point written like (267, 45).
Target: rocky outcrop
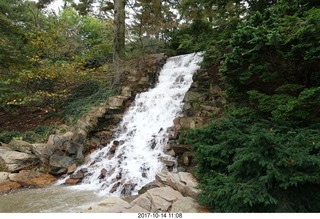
(171, 192)
(203, 102)
(20, 146)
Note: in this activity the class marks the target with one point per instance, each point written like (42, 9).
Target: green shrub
(39, 134)
(7, 136)
(257, 166)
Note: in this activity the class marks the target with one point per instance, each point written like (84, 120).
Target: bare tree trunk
(119, 30)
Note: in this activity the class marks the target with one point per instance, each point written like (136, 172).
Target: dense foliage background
(262, 157)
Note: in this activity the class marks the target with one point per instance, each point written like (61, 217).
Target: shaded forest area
(264, 156)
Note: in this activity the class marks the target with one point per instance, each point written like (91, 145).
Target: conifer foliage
(264, 156)
(257, 166)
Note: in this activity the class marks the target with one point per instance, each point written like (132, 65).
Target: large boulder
(184, 182)
(44, 151)
(60, 163)
(158, 199)
(109, 205)
(14, 161)
(23, 176)
(30, 178)
(8, 186)
(21, 146)
(60, 140)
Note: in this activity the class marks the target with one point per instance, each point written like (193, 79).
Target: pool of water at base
(53, 199)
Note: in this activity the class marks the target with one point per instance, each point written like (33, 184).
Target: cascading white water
(142, 133)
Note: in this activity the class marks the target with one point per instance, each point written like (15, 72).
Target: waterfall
(135, 155)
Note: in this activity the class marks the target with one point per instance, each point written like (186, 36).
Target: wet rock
(151, 185)
(180, 79)
(58, 170)
(168, 162)
(14, 161)
(119, 176)
(84, 170)
(171, 153)
(115, 187)
(21, 146)
(43, 180)
(167, 147)
(114, 147)
(8, 186)
(72, 181)
(77, 175)
(153, 143)
(72, 168)
(103, 173)
(23, 176)
(30, 178)
(128, 188)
